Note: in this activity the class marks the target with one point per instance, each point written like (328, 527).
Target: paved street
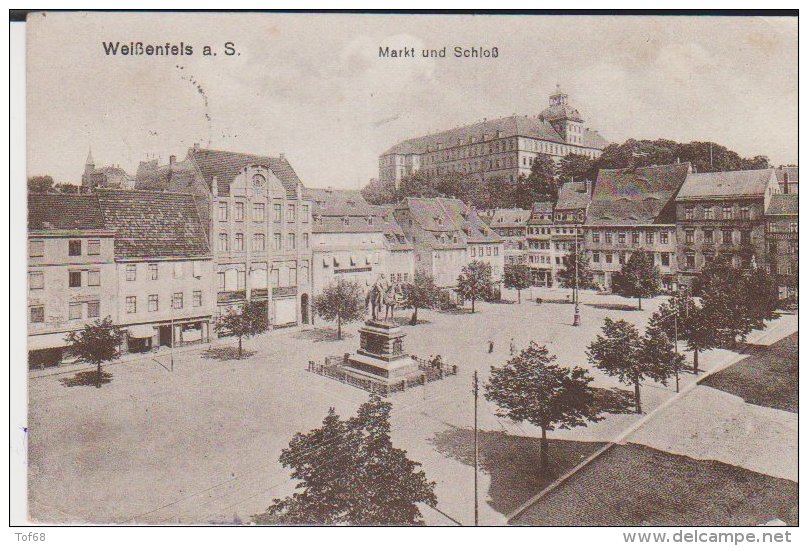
(209, 434)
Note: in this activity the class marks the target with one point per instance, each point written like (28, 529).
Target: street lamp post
(576, 319)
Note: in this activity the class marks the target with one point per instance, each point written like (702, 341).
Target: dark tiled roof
(726, 184)
(573, 195)
(64, 212)
(507, 218)
(783, 204)
(541, 213)
(338, 202)
(226, 165)
(531, 127)
(644, 195)
(172, 177)
(448, 219)
(153, 224)
(396, 239)
(559, 112)
(790, 172)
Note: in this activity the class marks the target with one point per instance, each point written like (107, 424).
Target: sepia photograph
(410, 269)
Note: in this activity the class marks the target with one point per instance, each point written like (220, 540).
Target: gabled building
(541, 255)
(634, 209)
(722, 214)
(782, 242)
(71, 271)
(446, 234)
(164, 268)
(497, 148)
(511, 225)
(112, 176)
(400, 252)
(258, 222)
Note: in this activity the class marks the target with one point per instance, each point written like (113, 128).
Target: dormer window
(346, 220)
(370, 220)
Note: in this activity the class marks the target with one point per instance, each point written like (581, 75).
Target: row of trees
(546, 175)
(46, 184)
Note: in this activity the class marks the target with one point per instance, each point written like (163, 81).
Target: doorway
(304, 309)
(165, 336)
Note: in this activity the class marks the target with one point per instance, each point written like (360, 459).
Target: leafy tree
(531, 388)
(762, 297)
(699, 325)
(621, 352)
(542, 184)
(243, 321)
(377, 192)
(67, 188)
(349, 473)
(659, 351)
(421, 293)
(575, 167)
(40, 184)
(96, 343)
(639, 278)
(474, 281)
(566, 275)
(517, 277)
(342, 301)
(417, 184)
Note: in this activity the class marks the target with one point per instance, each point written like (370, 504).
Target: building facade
(500, 148)
(511, 226)
(258, 221)
(787, 178)
(782, 242)
(71, 271)
(164, 268)
(541, 255)
(722, 214)
(632, 210)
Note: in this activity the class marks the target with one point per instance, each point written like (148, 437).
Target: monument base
(383, 370)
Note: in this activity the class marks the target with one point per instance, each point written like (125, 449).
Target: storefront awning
(46, 341)
(141, 330)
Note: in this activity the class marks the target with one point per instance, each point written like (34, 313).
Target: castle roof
(573, 195)
(728, 184)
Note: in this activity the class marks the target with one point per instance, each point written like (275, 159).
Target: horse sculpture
(383, 293)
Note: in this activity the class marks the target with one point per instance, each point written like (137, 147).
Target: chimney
(172, 159)
(281, 156)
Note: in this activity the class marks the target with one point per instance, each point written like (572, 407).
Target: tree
(575, 167)
(377, 192)
(517, 277)
(421, 293)
(660, 353)
(541, 182)
(761, 296)
(621, 352)
(474, 281)
(342, 301)
(417, 184)
(96, 343)
(531, 388)
(566, 275)
(40, 184)
(349, 473)
(243, 321)
(67, 188)
(639, 278)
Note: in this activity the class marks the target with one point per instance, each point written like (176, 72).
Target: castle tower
(89, 170)
(564, 118)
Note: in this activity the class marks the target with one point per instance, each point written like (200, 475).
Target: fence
(333, 367)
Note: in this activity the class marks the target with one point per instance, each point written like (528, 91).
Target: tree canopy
(474, 281)
(639, 278)
(97, 343)
(421, 293)
(349, 473)
(517, 277)
(343, 301)
(243, 321)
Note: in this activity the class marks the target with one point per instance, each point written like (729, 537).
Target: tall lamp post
(576, 319)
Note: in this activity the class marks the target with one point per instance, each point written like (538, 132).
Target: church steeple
(90, 161)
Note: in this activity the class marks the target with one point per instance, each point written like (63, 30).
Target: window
(792, 227)
(197, 301)
(689, 236)
(595, 236)
(621, 257)
(274, 277)
(276, 241)
(154, 302)
(178, 270)
(708, 213)
(621, 238)
(241, 280)
(290, 241)
(596, 257)
(131, 304)
(304, 213)
(74, 248)
(37, 313)
(665, 258)
(304, 271)
(223, 242)
(663, 237)
(153, 271)
(290, 212)
(277, 212)
(609, 257)
(259, 212)
(473, 252)
(222, 211)
(131, 272)
(36, 280)
(726, 213)
(94, 277)
(690, 261)
(259, 241)
(726, 236)
(746, 237)
(176, 300)
(635, 237)
(689, 213)
(75, 310)
(36, 249)
(221, 280)
(305, 240)
(74, 279)
(239, 243)
(488, 251)
(608, 237)
(745, 213)
(94, 247)
(93, 309)
(239, 212)
(293, 275)
(649, 237)
(708, 236)
(496, 251)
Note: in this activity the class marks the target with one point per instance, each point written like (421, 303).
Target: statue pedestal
(381, 353)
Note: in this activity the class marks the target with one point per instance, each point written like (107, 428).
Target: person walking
(490, 346)
(513, 347)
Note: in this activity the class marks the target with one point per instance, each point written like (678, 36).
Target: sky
(313, 86)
